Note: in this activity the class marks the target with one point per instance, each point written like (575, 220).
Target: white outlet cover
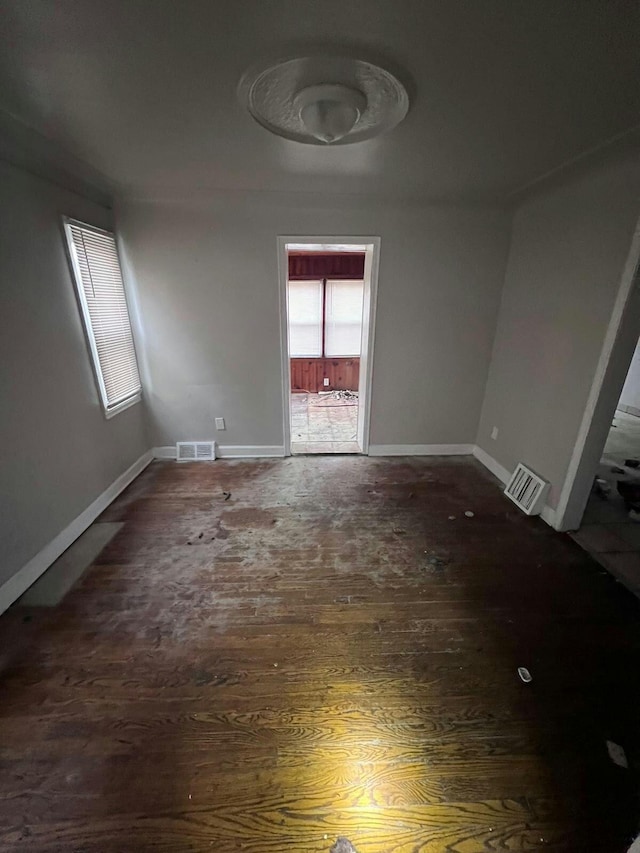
(220, 423)
(494, 433)
(326, 381)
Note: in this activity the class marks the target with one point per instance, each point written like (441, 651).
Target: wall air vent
(527, 490)
(195, 451)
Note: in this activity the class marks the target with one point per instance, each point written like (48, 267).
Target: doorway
(600, 499)
(613, 367)
(328, 288)
(610, 527)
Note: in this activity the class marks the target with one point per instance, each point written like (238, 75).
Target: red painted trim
(341, 265)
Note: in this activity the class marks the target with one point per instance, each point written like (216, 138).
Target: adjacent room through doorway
(326, 306)
(610, 528)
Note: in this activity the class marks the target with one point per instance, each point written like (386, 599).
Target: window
(98, 280)
(305, 319)
(325, 318)
(343, 318)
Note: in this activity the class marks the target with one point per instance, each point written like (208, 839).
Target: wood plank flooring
(331, 650)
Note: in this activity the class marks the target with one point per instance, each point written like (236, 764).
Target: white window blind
(343, 332)
(100, 288)
(305, 319)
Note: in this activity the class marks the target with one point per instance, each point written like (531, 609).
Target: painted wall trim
(12, 589)
(492, 464)
(168, 452)
(229, 451)
(421, 449)
(548, 514)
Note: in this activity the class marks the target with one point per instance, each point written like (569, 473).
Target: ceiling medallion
(324, 100)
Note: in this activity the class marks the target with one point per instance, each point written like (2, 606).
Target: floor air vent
(195, 451)
(527, 490)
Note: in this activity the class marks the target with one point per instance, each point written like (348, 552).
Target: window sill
(126, 404)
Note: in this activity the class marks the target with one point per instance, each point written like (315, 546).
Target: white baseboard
(492, 464)
(548, 514)
(12, 589)
(420, 449)
(168, 452)
(248, 451)
(229, 451)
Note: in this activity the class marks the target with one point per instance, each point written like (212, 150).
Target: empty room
(320, 524)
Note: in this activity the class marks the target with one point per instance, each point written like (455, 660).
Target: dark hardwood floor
(325, 652)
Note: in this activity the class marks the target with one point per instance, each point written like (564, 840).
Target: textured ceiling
(144, 91)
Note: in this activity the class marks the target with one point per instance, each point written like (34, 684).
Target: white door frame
(371, 265)
(617, 351)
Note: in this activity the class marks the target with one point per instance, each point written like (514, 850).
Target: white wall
(207, 283)
(568, 249)
(630, 396)
(58, 451)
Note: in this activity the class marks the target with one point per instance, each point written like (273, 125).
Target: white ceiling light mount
(329, 111)
(324, 100)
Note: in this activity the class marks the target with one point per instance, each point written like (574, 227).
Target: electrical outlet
(220, 423)
(326, 381)
(494, 433)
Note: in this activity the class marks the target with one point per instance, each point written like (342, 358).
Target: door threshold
(327, 448)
